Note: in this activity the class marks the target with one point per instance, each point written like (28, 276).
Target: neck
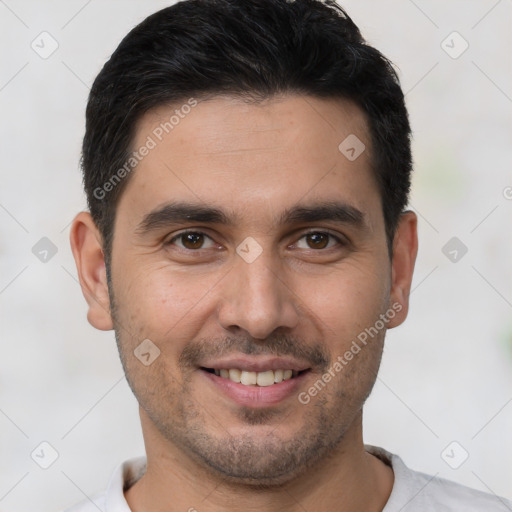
(351, 479)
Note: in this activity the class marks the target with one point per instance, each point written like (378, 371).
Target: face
(248, 247)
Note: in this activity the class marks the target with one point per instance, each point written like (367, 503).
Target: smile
(249, 378)
(255, 389)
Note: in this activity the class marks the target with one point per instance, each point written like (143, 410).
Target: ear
(405, 249)
(87, 247)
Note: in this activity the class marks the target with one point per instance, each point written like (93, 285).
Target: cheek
(163, 305)
(346, 301)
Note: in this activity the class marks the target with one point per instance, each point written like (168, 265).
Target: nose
(257, 299)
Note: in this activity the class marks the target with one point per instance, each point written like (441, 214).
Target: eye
(319, 240)
(191, 240)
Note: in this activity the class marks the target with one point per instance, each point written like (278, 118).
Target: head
(247, 166)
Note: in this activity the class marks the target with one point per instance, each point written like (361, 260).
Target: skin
(304, 296)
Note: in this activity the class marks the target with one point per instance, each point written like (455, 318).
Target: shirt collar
(123, 478)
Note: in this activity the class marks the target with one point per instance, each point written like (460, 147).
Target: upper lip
(256, 364)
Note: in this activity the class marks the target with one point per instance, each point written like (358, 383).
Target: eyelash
(315, 232)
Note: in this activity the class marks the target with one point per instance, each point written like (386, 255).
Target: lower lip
(256, 396)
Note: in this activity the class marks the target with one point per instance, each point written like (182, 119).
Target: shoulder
(414, 491)
(113, 498)
(90, 505)
(446, 495)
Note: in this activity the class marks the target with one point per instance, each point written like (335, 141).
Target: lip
(259, 364)
(255, 396)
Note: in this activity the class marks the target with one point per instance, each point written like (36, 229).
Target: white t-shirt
(412, 491)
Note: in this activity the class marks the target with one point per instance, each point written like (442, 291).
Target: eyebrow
(182, 212)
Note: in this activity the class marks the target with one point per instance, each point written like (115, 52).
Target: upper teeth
(266, 378)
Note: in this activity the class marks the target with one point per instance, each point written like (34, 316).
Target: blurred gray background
(443, 400)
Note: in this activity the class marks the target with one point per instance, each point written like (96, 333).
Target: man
(247, 165)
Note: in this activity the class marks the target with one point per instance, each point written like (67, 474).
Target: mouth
(255, 389)
(255, 381)
(251, 378)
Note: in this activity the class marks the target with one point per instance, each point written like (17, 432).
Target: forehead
(253, 158)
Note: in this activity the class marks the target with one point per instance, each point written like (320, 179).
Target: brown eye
(191, 240)
(319, 240)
